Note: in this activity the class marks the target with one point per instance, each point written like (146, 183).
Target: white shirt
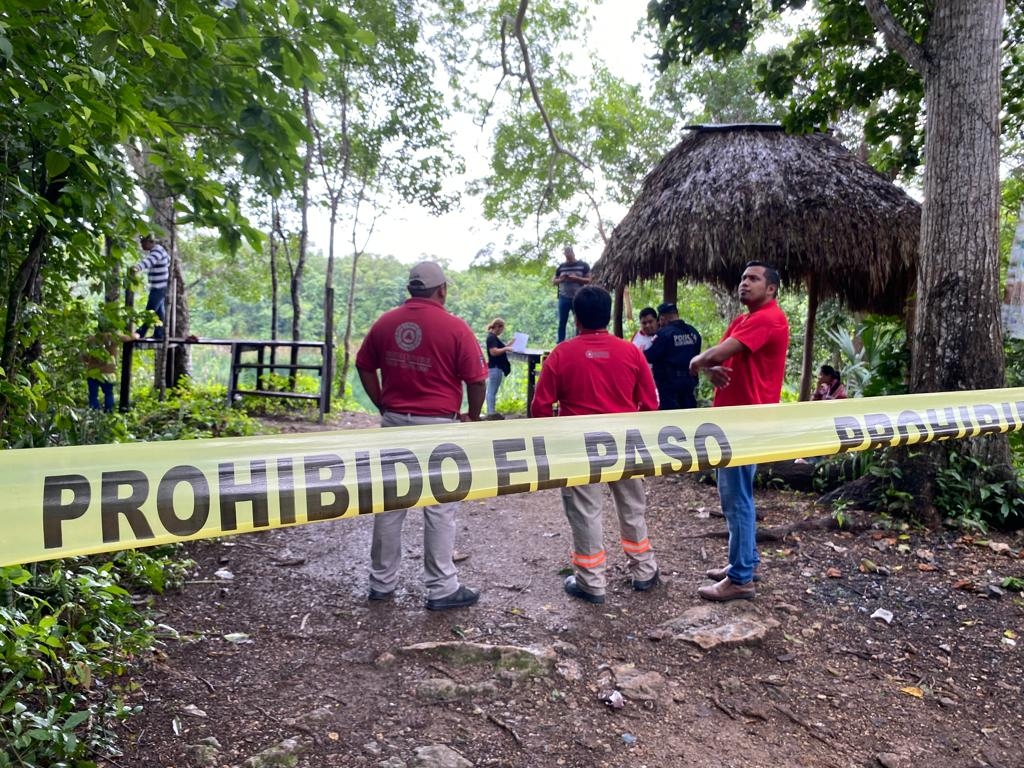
(642, 341)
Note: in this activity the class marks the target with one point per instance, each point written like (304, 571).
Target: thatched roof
(729, 194)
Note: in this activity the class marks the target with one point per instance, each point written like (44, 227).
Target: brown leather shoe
(727, 590)
(717, 574)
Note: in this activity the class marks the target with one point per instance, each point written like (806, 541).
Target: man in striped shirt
(158, 266)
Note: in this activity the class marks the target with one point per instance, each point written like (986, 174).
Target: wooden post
(620, 291)
(808, 359)
(670, 288)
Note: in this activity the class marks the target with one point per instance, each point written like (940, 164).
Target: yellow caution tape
(81, 500)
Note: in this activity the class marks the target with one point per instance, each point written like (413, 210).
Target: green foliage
(188, 413)
(973, 497)
(67, 633)
(833, 67)
(599, 138)
(875, 357)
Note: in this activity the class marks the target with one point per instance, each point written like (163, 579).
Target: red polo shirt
(595, 372)
(758, 370)
(424, 354)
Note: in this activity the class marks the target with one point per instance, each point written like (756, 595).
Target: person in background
(157, 265)
(747, 368)
(648, 327)
(570, 276)
(671, 350)
(100, 360)
(498, 365)
(829, 385)
(596, 372)
(413, 364)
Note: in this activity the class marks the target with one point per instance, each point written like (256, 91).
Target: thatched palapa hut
(730, 194)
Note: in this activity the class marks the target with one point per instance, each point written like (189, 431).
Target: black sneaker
(574, 590)
(460, 598)
(378, 596)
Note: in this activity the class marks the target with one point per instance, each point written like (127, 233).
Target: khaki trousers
(440, 576)
(583, 508)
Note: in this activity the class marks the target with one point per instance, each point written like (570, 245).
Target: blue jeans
(494, 378)
(95, 385)
(564, 308)
(156, 304)
(736, 490)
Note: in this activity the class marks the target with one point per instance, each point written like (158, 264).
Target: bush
(67, 632)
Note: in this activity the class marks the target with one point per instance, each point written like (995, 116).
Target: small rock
(440, 756)
(947, 702)
(225, 574)
(284, 754)
(996, 593)
(612, 698)
(888, 760)
(628, 739)
(792, 610)
(205, 754)
(373, 748)
(192, 711)
(569, 669)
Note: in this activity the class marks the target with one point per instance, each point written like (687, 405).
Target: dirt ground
(288, 654)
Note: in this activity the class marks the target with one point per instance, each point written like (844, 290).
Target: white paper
(519, 342)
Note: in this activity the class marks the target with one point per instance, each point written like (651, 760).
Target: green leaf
(56, 164)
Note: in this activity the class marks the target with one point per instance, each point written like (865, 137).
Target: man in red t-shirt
(596, 372)
(423, 355)
(747, 367)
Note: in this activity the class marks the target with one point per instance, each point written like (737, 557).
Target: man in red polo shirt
(747, 367)
(596, 372)
(423, 355)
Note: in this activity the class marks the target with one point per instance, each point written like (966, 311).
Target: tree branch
(517, 31)
(896, 37)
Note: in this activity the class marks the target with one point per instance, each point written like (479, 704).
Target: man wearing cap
(747, 368)
(593, 373)
(412, 364)
(674, 345)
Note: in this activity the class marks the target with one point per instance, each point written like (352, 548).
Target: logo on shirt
(596, 354)
(408, 336)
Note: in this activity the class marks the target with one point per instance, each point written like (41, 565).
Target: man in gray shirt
(570, 276)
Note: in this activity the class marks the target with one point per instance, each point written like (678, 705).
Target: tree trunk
(957, 342)
(806, 373)
(275, 232)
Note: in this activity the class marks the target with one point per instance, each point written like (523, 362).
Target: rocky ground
(877, 647)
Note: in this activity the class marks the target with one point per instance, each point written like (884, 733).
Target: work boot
(575, 590)
(717, 574)
(726, 590)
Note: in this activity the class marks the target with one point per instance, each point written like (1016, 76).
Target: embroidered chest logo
(408, 336)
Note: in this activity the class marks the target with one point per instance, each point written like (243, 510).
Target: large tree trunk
(957, 342)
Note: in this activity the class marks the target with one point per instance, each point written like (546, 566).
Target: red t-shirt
(758, 370)
(595, 372)
(424, 354)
